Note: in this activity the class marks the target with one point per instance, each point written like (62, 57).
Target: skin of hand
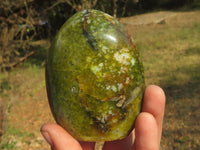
(145, 136)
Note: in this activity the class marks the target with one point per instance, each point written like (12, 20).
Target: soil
(149, 18)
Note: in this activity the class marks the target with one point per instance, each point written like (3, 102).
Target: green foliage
(5, 85)
(13, 137)
(8, 145)
(18, 133)
(195, 4)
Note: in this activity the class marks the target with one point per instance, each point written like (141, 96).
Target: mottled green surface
(94, 78)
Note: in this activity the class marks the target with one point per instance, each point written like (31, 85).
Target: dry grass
(171, 54)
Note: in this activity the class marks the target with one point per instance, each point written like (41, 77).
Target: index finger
(154, 103)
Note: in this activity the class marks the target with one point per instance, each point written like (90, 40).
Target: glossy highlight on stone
(94, 77)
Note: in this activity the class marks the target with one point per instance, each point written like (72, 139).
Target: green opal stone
(94, 77)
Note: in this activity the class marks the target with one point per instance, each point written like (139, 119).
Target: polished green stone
(94, 76)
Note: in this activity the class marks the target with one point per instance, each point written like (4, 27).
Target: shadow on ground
(183, 88)
(182, 116)
(188, 88)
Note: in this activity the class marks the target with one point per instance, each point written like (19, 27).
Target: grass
(20, 92)
(14, 137)
(171, 56)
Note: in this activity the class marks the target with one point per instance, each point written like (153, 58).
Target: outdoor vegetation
(167, 33)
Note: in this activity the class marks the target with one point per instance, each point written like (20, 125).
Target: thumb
(58, 138)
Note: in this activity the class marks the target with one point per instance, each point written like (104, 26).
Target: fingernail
(47, 137)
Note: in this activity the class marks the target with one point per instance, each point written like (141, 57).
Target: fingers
(148, 125)
(148, 128)
(58, 138)
(154, 103)
(146, 132)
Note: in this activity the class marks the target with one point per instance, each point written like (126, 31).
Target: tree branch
(115, 8)
(20, 60)
(60, 2)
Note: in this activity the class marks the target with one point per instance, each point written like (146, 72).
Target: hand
(146, 135)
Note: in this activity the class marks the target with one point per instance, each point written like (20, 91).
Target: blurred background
(166, 32)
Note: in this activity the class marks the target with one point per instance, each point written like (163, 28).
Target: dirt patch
(28, 115)
(156, 17)
(28, 110)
